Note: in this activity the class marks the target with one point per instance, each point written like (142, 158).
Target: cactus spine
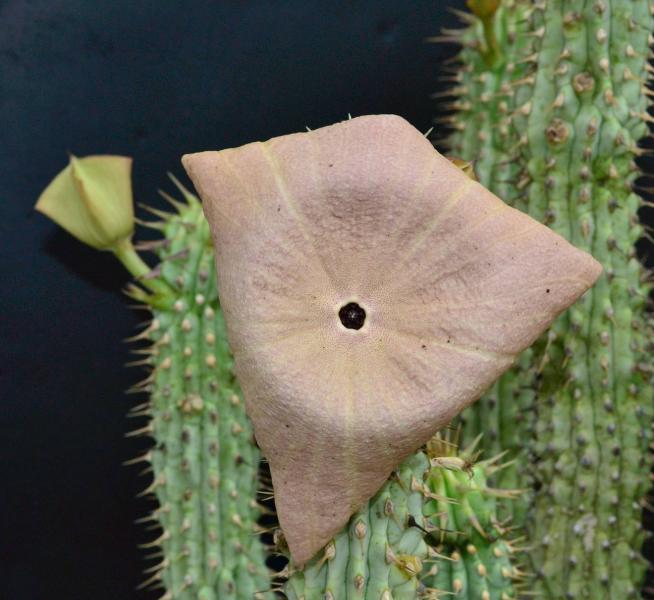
(577, 115)
(204, 460)
(430, 532)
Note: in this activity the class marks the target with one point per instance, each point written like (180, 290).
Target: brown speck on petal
(371, 292)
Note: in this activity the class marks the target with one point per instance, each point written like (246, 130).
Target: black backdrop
(150, 79)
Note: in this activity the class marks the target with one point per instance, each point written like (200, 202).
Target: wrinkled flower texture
(371, 292)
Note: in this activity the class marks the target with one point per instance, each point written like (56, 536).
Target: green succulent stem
(554, 130)
(204, 460)
(126, 253)
(492, 55)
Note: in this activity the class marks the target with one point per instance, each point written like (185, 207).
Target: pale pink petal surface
(453, 282)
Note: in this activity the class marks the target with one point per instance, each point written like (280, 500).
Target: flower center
(352, 316)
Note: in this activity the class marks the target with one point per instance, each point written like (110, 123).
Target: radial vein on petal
(471, 261)
(291, 205)
(452, 200)
(252, 199)
(350, 464)
(259, 210)
(277, 339)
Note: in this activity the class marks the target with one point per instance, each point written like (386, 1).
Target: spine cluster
(204, 460)
(473, 554)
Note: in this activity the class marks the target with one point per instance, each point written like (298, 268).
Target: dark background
(151, 80)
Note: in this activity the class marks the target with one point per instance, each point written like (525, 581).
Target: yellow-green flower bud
(92, 199)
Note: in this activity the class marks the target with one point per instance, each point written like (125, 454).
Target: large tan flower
(371, 292)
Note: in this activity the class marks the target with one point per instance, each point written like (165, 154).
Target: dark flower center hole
(352, 316)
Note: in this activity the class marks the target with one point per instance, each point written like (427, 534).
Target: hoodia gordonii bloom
(371, 291)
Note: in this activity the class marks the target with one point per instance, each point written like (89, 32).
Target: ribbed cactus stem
(575, 116)
(589, 109)
(204, 459)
